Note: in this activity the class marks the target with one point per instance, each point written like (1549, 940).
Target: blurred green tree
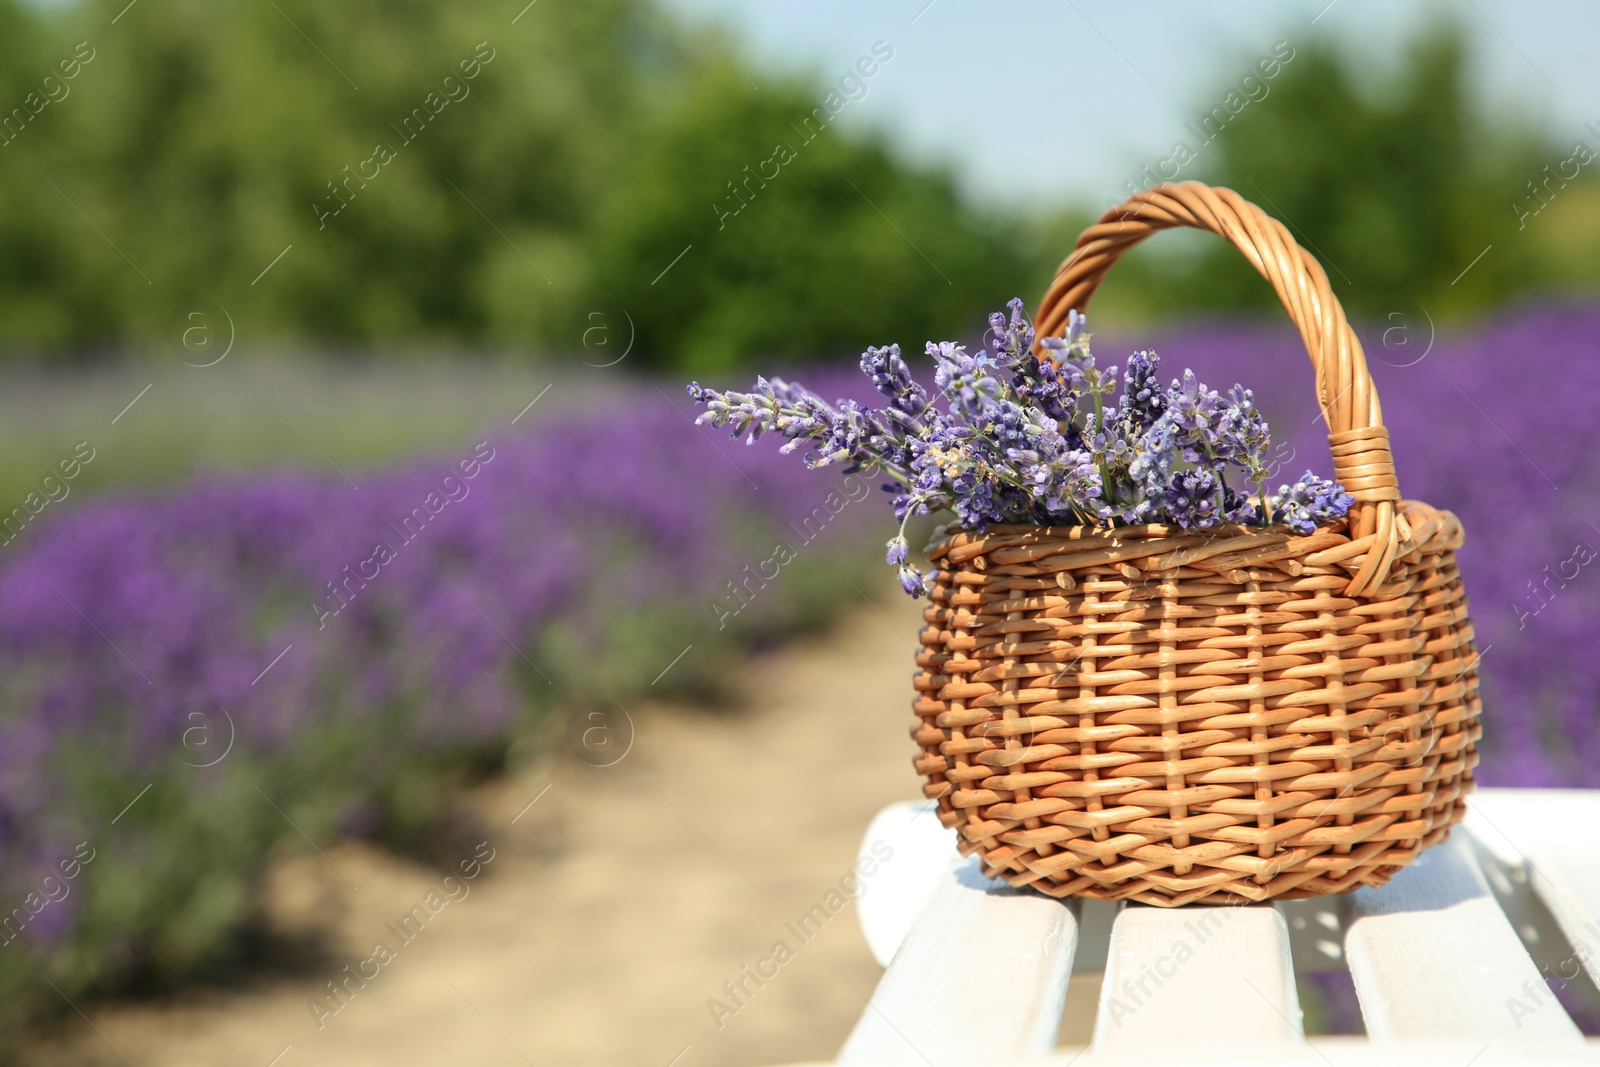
(595, 143)
(796, 240)
(206, 137)
(1395, 187)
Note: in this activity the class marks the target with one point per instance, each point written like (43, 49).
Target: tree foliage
(795, 240)
(602, 155)
(420, 205)
(1396, 187)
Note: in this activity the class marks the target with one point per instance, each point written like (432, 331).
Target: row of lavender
(188, 678)
(1501, 428)
(1499, 424)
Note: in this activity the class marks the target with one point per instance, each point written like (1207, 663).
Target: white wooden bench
(977, 973)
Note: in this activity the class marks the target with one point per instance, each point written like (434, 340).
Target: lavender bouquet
(1013, 438)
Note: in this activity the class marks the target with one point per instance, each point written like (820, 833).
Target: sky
(1042, 103)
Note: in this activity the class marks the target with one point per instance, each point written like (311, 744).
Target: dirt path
(612, 909)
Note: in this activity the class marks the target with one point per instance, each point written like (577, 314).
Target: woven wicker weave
(1147, 714)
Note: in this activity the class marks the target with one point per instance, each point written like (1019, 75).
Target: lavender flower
(891, 377)
(912, 581)
(1310, 501)
(1143, 399)
(1017, 438)
(1195, 499)
(964, 379)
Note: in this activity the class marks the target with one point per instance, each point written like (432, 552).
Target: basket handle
(1362, 462)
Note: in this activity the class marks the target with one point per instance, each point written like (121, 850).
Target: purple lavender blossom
(1028, 440)
(348, 685)
(1195, 499)
(1310, 501)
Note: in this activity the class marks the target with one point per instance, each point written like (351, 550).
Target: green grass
(263, 410)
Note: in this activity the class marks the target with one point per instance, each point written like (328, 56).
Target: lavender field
(189, 676)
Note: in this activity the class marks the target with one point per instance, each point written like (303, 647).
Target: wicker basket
(1236, 715)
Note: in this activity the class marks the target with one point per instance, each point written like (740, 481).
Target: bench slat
(907, 850)
(981, 976)
(1200, 976)
(1434, 958)
(1554, 836)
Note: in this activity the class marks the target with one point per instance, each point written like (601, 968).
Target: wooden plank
(1324, 1052)
(904, 854)
(981, 977)
(1434, 958)
(1318, 1052)
(923, 849)
(1197, 978)
(1437, 964)
(1552, 838)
